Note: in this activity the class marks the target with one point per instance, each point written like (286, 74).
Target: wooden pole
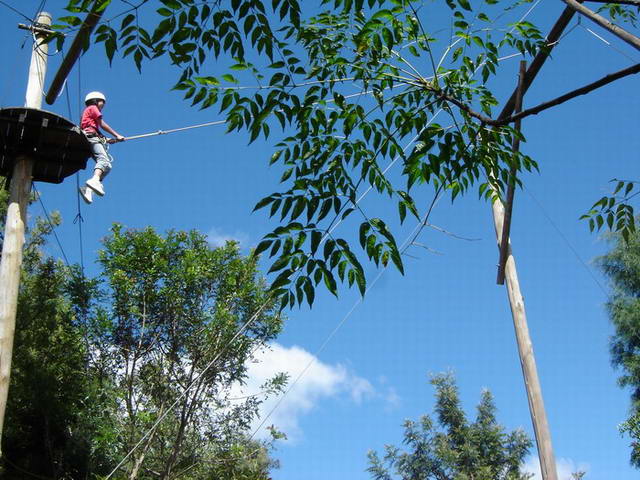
(525, 348)
(604, 23)
(11, 262)
(527, 359)
(515, 147)
(519, 315)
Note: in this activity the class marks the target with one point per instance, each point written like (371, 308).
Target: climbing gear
(86, 194)
(95, 96)
(96, 186)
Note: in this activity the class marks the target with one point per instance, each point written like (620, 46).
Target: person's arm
(108, 129)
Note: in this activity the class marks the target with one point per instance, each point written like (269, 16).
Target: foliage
(614, 210)
(460, 450)
(622, 266)
(176, 322)
(433, 115)
(53, 412)
(152, 346)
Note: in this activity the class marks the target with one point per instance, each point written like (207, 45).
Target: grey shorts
(100, 154)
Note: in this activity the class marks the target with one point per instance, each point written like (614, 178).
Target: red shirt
(91, 117)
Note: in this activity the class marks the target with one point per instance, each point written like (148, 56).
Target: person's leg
(98, 174)
(102, 168)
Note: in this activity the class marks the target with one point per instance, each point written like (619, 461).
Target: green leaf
(279, 264)
(316, 236)
(172, 4)
(262, 246)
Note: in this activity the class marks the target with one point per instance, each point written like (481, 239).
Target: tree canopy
(131, 373)
(453, 447)
(435, 115)
(622, 266)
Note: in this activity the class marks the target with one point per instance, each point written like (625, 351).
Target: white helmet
(95, 96)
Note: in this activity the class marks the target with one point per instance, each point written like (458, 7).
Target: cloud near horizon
(218, 238)
(321, 381)
(564, 466)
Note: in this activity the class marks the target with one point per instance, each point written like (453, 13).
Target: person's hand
(120, 138)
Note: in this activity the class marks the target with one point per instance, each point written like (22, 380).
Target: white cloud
(218, 238)
(564, 466)
(320, 382)
(391, 398)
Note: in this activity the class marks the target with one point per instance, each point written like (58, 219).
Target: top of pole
(38, 66)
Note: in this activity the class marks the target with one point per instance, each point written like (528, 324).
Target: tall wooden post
(525, 347)
(11, 262)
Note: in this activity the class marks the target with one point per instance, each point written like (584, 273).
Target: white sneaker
(86, 194)
(96, 186)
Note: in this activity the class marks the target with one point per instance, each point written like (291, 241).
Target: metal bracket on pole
(38, 28)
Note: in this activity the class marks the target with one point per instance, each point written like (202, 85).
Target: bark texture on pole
(516, 301)
(515, 146)
(11, 262)
(527, 359)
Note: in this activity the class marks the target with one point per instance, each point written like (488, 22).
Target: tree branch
(604, 23)
(568, 96)
(500, 122)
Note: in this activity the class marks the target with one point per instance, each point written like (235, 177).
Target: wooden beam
(604, 23)
(538, 61)
(90, 22)
(515, 147)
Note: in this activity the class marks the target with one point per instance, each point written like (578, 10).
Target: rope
(39, 9)
(16, 11)
(53, 228)
(78, 218)
(186, 390)
(566, 241)
(609, 44)
(164, 132)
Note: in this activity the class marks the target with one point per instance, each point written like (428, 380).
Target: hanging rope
(51, 225)
(78, 218)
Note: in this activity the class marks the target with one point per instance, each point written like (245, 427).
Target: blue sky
(446, 313)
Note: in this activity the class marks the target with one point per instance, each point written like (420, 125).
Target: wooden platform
(57, 146)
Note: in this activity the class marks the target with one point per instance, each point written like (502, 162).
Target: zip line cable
(30, 20)
(405, 245)
(40, 8)
(566, 240)
(221, 122)
(609, 44)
